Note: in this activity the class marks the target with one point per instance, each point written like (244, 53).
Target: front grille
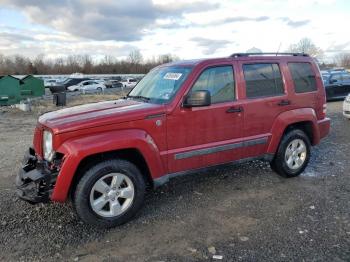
(347, 112)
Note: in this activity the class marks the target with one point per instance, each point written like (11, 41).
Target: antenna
(278, 48)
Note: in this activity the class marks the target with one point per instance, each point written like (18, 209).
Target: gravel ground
(243, 213)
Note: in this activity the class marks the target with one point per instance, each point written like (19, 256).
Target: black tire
(81, 198)
(279, 164)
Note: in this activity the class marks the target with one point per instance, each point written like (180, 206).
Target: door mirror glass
(197, 98)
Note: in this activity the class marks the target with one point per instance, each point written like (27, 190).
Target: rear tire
(109, 194)
(293, 154)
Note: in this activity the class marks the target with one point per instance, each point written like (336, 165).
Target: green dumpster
(9, 90)
(32, 87)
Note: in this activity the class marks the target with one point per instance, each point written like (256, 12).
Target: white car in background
(50, 82)
(88, 85)
(129, 82)
(346, 107)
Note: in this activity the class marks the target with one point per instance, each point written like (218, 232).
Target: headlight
(47, 145)
(347, 98)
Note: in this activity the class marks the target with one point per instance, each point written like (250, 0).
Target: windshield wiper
(140, 97)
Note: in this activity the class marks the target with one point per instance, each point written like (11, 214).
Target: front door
(206, 136)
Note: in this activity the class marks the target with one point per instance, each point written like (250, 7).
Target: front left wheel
(110, 193)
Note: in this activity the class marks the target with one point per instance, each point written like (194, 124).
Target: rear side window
(263, 80)
(303, 77)
(219, 81)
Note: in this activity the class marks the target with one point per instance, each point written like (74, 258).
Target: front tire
(293, 154)
(109, 193)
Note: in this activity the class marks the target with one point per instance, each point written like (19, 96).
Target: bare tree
(343, 60)
(87, 64)
(81, 63)
(39, 64)
(135, 57)
(305, 45)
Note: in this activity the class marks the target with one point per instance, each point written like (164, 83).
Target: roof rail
(262, 54)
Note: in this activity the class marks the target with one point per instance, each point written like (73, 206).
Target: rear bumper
(324, 126)
(35, 181)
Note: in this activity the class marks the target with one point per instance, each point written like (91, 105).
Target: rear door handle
(284, 103)
(234, 110)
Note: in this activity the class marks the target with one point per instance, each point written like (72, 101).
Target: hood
(97, 114)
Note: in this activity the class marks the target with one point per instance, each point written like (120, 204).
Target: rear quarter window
(303, 77)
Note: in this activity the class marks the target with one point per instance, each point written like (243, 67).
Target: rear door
(264, 99)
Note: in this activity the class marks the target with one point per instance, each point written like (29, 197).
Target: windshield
(161, 84)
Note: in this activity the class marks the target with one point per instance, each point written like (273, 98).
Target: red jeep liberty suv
(180, 118)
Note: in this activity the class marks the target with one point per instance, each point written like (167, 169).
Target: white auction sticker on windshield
(172, 76)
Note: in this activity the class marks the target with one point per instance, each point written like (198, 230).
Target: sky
(185, 28)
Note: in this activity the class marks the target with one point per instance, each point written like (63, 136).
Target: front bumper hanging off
(35, 180)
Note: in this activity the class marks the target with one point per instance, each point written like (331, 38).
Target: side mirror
(333, 81)
(197, 98)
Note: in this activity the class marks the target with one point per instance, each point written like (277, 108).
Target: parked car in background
(117, 84)
(346, 107)
(73, 81)
(50, 82)
(325, 76)
(88, 85)
(337, 84)
(63, 86)
(129, 82)
(106, 81)
(118, 78)
(181, 118)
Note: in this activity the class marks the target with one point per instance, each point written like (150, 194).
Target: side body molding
(75, 150)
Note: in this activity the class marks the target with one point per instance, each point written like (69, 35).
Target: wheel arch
(304, 119)
(132, 155)
(135, 146)
(305, 126)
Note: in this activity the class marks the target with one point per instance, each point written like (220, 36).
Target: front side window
(219, 81)
(263, 80)
(161, 84)
(303, 77)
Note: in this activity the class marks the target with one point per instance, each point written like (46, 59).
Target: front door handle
(284, 103)
(234, 110)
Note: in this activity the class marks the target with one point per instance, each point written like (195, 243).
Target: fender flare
(76, 149)
(292, 117)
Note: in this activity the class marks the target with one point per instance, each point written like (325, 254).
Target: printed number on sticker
(172, 76)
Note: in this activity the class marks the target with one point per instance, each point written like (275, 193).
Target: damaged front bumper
(35, 180)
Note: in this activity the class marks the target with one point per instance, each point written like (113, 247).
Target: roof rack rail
(262, 54)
